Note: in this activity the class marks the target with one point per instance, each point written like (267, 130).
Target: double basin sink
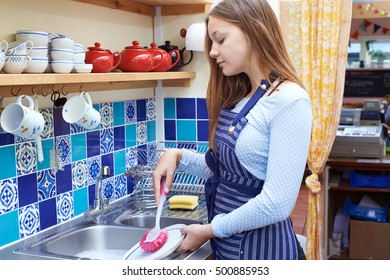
(108, 240)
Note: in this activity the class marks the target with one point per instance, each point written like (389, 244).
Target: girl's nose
(213, 53)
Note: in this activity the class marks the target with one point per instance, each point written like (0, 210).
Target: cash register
(361, 133)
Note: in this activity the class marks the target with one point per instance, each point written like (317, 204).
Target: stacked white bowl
(39, 50)
(61, 54)
(79, 59)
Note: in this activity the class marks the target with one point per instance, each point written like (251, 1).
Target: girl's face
(230, 47)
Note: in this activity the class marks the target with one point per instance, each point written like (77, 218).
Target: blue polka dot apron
(232, 186)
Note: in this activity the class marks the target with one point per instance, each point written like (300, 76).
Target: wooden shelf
(14, 84)
(382, 164)
(147, 7)
(365, 190)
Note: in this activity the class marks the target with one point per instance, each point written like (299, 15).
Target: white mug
(19, 48)
(21, 120)
(79, 110)
(15, 64)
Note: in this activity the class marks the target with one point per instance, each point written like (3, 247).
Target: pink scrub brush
(155, 238)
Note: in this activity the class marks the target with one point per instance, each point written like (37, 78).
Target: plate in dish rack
(175, 237)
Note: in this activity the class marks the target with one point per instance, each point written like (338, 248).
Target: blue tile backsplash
(37, 195)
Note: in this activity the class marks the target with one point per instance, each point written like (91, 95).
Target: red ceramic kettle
(103, 60)
(138, 59)
(167, 58)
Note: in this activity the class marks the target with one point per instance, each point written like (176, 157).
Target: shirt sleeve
(289, 133)
(194, 163)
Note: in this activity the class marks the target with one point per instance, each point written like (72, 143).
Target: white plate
(175, 237)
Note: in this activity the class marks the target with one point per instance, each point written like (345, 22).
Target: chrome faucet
(95, 212)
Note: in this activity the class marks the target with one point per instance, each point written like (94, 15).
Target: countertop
(16, 250)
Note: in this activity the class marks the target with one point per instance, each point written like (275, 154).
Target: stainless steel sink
(148, 221)
(99, 241)
(93, 242)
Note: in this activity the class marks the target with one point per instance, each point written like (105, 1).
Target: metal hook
(81, 86)
(44, 95)
(12, 91)
(62, 90)
(33, 92)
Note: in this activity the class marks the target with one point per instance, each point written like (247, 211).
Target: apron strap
(261, 90)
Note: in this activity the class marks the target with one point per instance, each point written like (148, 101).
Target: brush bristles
(152, 246)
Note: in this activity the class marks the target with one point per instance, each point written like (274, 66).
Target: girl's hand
(195, 236)
(166, 167)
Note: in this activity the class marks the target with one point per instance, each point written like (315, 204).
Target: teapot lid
(135, 46)
(96, 47)
(168, 46)
(153, 45)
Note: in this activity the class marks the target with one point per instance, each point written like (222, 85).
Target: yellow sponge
(188, 202)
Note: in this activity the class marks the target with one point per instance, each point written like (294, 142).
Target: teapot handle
(161, 59)
(191, 55)
(117, 59)
(177, 59)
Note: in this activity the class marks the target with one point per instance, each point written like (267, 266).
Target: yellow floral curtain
(317, 36)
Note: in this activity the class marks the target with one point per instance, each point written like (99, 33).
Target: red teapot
(138, 59)
(167, 58)
(103, 60)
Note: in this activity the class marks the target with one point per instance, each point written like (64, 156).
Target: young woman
(260, 126)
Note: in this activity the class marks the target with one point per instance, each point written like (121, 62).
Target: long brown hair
(260, 25)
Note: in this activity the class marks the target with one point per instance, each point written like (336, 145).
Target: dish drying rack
(146, 161)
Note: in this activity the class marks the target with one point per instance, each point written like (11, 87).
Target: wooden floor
(298, 216)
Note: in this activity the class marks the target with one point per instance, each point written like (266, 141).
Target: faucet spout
(98, 204)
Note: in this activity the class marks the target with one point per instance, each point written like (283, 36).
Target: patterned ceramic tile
(141, 133)
(26, 162)
(107, 114)
(151, 109)
(28, 220)
(48, 130)
(120, 186)
(63, 146)
(131, 157)
(130, 111)
(106, 141)
(108, 189)
(75, 128)
(19, 139)
(94, 165)
(64, 207)
(8, 195)
(46, 180)
(79, 174)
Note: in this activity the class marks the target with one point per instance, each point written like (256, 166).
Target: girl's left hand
(195, 236)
